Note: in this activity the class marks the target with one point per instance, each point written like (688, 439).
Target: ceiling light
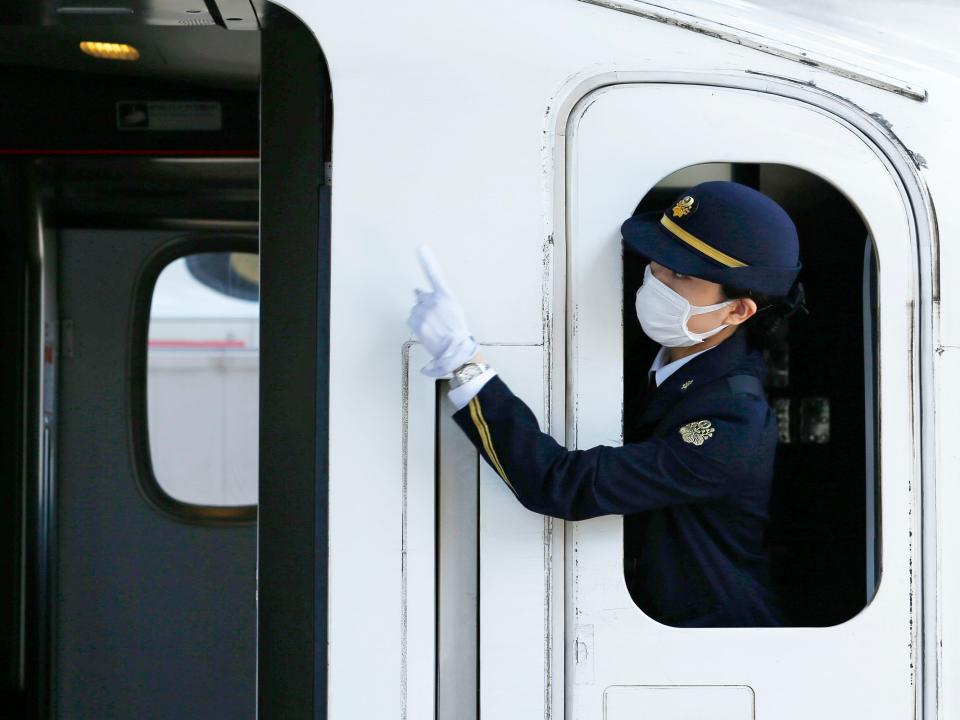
(110, 51)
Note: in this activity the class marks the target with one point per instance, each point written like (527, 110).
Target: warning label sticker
(168, 115)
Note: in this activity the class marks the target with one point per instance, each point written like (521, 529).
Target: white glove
(439, 323)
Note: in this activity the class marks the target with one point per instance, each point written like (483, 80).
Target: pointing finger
(432, 269)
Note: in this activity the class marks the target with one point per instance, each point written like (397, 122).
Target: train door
(157, 538)
(620, 663)
(148, 570)
(296, 125)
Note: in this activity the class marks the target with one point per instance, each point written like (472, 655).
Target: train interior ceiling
(104, 162)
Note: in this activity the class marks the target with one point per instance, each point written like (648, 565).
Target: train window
(823, 535)
(202, 378)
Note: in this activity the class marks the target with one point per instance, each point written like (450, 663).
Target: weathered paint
(479, 96)
(760, 43)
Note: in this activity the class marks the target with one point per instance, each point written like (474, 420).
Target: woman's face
(700, 292)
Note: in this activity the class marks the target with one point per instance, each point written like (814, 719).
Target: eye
(680, 276)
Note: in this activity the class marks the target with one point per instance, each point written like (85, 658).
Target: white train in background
(203, 364)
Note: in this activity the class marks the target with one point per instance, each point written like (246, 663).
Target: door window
(203, 363)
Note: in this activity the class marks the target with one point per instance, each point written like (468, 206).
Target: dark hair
(767, 329)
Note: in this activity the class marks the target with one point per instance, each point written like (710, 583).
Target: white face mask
(663, 314)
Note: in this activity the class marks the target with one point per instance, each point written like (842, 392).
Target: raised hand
(438, 321)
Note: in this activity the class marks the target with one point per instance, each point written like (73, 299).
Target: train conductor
(697, 463)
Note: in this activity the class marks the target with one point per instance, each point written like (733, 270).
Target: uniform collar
(663, 368)
(732, 356)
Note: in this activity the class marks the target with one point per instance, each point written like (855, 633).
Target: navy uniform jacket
(694, 474)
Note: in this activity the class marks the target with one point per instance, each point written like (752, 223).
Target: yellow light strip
(110, 51)
(698, 244)
(484, 431)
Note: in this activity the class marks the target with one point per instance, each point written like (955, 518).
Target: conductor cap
(724, 232)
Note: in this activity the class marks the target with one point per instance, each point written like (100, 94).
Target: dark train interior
(823, 534)
(131, 137)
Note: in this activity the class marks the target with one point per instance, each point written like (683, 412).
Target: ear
(740, 311)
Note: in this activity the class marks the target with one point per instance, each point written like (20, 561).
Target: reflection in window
(203, 363)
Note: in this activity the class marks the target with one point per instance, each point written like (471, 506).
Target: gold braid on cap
(698, 244)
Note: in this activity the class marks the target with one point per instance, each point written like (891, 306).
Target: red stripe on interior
(197, 343)
(20, 151)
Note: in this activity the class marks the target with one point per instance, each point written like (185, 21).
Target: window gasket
(139, 438)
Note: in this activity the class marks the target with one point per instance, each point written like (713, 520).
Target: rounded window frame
(139, 438)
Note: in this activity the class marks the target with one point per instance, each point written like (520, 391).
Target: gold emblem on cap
(697, 432)
(683, 207)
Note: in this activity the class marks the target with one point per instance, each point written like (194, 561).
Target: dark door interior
(116, 602)
(823, 533)
(154, 612)
(112, 604)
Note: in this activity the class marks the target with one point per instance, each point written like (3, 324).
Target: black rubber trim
(143, 473)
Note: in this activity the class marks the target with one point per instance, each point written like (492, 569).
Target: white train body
(514, 138)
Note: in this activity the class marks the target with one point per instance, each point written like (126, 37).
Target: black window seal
(144, 286)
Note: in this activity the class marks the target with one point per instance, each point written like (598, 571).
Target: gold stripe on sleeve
(698, 244)
(477, 415)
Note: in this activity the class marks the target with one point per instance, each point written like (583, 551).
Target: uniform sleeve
(701, 458)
